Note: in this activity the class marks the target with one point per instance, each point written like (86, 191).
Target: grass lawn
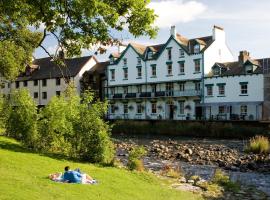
(24, 176)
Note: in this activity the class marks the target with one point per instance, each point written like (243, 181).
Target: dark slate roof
(237, 67)
(48, 69)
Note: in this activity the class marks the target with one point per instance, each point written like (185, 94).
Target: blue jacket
(72, 177)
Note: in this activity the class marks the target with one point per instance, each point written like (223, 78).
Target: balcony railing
(157, 94)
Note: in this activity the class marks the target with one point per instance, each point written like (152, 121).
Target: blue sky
(246, 23)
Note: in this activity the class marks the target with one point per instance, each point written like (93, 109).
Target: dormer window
(216, 71)
(125, 61)
(197, 48)
(150, 55)
(249, 69)
(111, 60)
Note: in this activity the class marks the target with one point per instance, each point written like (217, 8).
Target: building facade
(44, 79)
(236, 90)
(163, 81)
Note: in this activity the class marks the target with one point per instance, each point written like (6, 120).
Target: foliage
(135, 158)
(31, 170)
(169, 171)
(74, 24)
(223, 180)
(74, 126)
(4, 110)
(22, 120)
(258, 144)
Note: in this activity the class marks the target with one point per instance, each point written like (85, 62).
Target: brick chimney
(243, 56)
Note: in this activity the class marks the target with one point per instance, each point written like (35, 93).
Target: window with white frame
(154, 70)
(181, 67)
(221, 109)
(181, 53)
(154, 107)
(182, 86)
(169, 69)
(112, 74)
(125, 61)
(197, 48)
(153, 88)
(125, 89)
(125, 71)
(169, 51)
(244, 88)
(209, 90)
(139, 72)
(111, 60)
(221, 89)
(216, 71)
(150, 55)
(125, 108)
(112, 90)
(197, 65)
(139, 61)
(112, 108)
(169, 86)
(181, 107)
(139, 88)
(243, 109)
(197, 86)
(139, 108)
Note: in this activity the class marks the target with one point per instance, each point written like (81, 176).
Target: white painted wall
(232, 88)
(218, 51)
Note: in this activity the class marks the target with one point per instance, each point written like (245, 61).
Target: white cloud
(172, 12)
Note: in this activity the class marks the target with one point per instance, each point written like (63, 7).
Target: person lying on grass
(72, 176)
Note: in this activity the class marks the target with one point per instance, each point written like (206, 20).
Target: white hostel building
(164, 81)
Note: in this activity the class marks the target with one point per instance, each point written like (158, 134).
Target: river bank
(201, 157)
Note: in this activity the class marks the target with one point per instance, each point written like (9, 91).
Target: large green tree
(75, 24)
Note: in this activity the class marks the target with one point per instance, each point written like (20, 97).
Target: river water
(260, 180)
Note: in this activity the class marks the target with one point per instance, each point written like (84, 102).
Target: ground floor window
(154, 108)
(243, 109)
(139, 108)
(181, 107)
(221, 109)
(112, 108)
(126, 108)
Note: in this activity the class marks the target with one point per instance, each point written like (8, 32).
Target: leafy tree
(75, 24)
(93, 141)
(3, 113)
(74, 126)
(22, 120)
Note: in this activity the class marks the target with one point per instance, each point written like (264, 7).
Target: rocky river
(201, 157)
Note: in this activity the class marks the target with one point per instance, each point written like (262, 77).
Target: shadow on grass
(15, 147)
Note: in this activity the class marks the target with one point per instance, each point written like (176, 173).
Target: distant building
(44, 79)
(164, 81)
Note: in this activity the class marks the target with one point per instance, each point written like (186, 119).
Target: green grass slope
(24, 176)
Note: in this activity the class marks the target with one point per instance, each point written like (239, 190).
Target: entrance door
(198, 112)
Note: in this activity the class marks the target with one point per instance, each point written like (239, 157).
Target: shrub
(22, 120)
(223, 180)
(135, 159)
(171, 172)
(258, 144)
(4, 112)
(74, 126)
